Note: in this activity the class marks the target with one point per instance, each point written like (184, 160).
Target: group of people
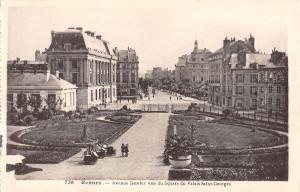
(124, 150)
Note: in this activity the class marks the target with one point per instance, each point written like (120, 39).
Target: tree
(35, 102)
(22, 102)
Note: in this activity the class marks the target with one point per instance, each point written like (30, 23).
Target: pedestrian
(123, 149)
(126, 150)
(170, 98)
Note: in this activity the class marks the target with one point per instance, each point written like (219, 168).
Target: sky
(159, 31)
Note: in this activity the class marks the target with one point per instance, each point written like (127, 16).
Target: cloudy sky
(160, 31)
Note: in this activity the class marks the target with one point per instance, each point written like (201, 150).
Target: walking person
(126, 150)
(123, 149)
(170, 98)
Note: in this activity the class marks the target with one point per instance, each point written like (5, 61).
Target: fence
(155, 108)
(251, 115)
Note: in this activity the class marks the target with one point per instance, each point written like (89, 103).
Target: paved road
(159, 98)
(146, 144)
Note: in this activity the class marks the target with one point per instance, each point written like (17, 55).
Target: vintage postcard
(192, 95)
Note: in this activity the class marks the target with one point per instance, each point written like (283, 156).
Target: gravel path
(146, 144)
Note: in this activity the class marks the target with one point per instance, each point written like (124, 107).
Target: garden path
(146, 141)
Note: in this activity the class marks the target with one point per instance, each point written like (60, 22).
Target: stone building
(194, 66)
(32, 79)
(221, 74)
(241, 78)
(127, 74)
(86, 60)
(273, 83)
(245, 79)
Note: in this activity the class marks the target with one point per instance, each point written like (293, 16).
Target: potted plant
(179, 152)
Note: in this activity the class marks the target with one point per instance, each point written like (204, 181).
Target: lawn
(66, 132)
(221, 136)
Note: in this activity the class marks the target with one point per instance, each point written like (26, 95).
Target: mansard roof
(79, 40)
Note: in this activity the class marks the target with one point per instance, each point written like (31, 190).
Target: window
(253, 90)
(262, 77)
(91, 77)
(239, 90)
(253, 77)
(96, 96)
(60, 64)
(67, 46)
(239, 78)
(132, 78)
(262, 89)
(261, 101)
(201, 78)
(278, 102)
(92, 98)
(74, 64)
(125, 77)
(254, 102)
(270, 100)
(278, 89)
(270, 89)
(193, 65)
(74, 78)
(35, 97)
(194, 78)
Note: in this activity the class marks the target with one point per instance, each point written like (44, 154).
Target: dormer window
(67, 46)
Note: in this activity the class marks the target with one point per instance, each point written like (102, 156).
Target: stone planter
(180, 161)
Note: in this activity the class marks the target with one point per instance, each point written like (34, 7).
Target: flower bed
(43, 155)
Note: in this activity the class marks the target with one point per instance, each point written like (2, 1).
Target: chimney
(92, 34)
(226, 43)
(251, 41)
(98, 37)
(79, 28)
(52, 35)
(88, 32)
(71, 28)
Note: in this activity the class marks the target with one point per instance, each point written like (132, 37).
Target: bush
(28, 119)
(93, 110)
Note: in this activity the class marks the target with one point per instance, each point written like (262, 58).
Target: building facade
(193, 67)
(32, 80)
(87, 61)
(221, 74)
(127, 74)
(239, 77)
(273, 83)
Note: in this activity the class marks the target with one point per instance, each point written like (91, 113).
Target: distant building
(148, 74)
(127, 74)
(86, 60)
(32, 79)
(193, 67)
(159, 73)
(40, 56)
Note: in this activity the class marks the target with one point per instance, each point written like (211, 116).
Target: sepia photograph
(184, 91)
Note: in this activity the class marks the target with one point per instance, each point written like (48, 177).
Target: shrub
(28, 119)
